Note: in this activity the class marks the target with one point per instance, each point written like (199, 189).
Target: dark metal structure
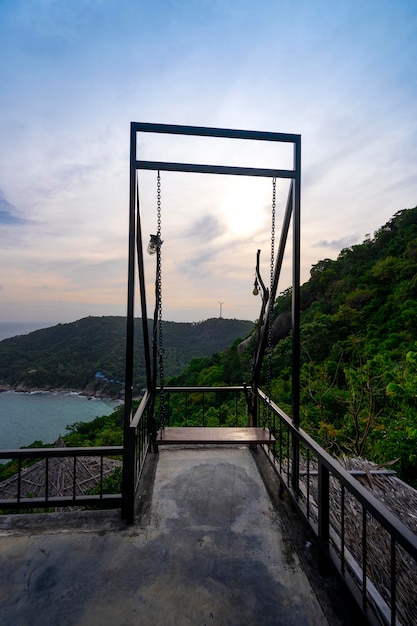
(292, 212)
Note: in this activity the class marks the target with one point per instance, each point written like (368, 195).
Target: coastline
(100, 395)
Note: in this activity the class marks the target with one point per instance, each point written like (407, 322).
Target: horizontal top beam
(203, 131)
(164, 166)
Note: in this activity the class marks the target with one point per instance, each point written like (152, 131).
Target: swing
(196, 435)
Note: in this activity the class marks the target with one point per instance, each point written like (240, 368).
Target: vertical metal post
(308, 484)
(342, 530)
(393, 582)
(204, 409)
(47, 478)
(364, 560)
(101, 476)
(296, 348)
(296, 217)
(253, 412)
(127, 478)
(142, 289)
(129, 475)
(130, 286)
(19, 478)
(74, 478)
(324, 519)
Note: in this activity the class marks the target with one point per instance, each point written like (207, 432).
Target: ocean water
(26, 417)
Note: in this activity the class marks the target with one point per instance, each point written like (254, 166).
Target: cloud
(206, 228)
(8, 212)
(199, 263)
(338, 244)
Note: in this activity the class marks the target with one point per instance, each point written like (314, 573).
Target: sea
(42, 415)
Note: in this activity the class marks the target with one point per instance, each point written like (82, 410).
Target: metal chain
(271, 284)
(159, 303)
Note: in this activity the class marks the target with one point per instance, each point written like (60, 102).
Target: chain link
(271, 284)
(159, 303)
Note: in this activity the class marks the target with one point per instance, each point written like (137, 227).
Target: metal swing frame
(136, 267)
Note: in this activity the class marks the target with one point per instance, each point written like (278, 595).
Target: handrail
(346, 535)
(141, 408)
(22, 500)
(379, 511)
(36, 453)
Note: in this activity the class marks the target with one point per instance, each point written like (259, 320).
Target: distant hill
(68, 356)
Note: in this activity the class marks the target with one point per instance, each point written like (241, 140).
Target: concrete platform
(209, 548)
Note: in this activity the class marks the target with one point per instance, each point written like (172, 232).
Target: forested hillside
(359, 350)
(70, 355)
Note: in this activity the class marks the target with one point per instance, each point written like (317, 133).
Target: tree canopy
(358, 350)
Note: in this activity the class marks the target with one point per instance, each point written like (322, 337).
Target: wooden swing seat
(202, 435)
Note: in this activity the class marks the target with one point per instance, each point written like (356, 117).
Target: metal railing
(205, 406)
(371, 549)
(22, 492)
(137, 440)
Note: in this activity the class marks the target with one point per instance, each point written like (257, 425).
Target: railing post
(324, 519)
(295, 465)
(253, 409)
(129, 477)
(296, 343)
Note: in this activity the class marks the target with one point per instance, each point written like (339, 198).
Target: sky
(74, 75)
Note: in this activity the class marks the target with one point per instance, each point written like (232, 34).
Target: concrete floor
(208, 549)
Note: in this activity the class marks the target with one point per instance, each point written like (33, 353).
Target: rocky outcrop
(280, 329)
